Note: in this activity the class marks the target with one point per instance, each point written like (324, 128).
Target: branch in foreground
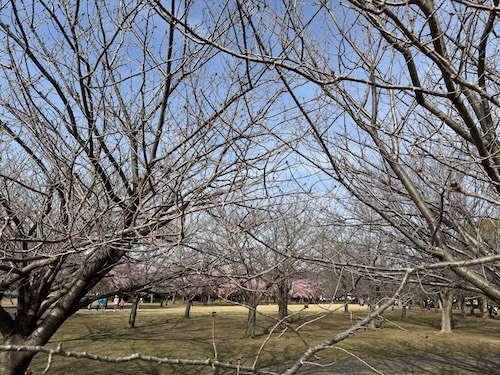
(133, 357)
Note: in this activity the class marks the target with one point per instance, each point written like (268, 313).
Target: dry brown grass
(163, 332)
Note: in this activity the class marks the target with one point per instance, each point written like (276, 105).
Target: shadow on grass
(416, 349)
(410, 365)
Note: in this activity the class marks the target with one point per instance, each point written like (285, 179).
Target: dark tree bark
(187, 311)
(251, 322)
(282, 298)
(136, 300)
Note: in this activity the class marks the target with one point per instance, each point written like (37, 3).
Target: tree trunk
(483, 307)
(187, 312)
(282, 296)
(133, 311)
(346, 308)
(283, 308)
(403, 310)
(446, 303)
(15, 363)
(371, 323)
(461, 304)
(251, 322)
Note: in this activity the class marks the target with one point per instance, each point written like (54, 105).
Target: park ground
(399, 346)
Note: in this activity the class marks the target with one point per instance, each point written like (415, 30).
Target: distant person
(104, 303)
(492, 311)
(116, 302)
(99, 303)
(122, 303)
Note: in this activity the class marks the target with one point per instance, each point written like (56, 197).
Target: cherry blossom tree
(306, 289)
(139, 277)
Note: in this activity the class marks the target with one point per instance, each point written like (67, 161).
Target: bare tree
(400, 109)
(286, 234)
(396, 103)
(113, 130)
(244, 263)
(435, 176)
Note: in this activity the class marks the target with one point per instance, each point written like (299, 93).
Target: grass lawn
(163, 332)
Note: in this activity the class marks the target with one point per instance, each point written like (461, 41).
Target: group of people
(102, 303)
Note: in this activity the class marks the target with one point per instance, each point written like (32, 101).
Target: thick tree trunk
(251, 322)
(446, 303)
(15, 363)
(282, 296)
(133, 311)
(43, 328)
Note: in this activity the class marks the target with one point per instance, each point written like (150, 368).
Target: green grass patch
(163, 332)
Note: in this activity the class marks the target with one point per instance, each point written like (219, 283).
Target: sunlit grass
(163, 332)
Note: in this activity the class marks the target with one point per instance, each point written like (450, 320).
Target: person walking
(116, 302)
(104, 303)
